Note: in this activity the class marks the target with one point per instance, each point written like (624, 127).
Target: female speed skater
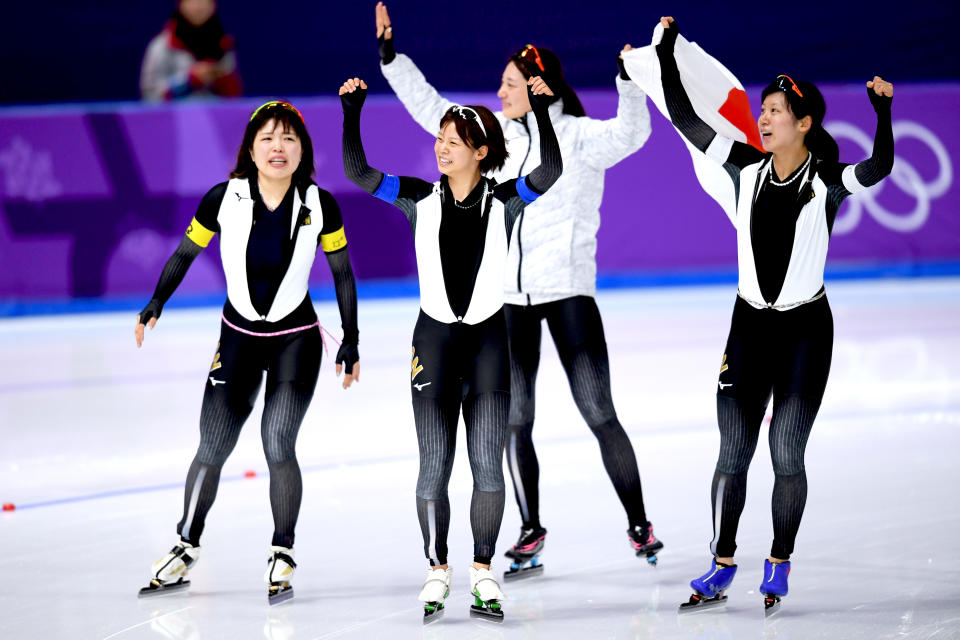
(462, 226)
(781, 334)
(271, 218)
(551, 270)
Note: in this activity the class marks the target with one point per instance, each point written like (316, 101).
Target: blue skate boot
(774, 585)
(709, 588)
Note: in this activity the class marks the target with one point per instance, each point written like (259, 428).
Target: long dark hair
(471, 133)
(552, 73)
(285, 114)
(818, 140)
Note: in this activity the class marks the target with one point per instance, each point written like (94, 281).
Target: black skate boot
(644, 542)
(525, 555)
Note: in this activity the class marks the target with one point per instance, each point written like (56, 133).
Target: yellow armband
(199, 234)
(335, 241)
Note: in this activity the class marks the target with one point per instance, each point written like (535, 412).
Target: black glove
(623, 69)
(152, 310)
(385, 48)
(347, 355)
(353, 102)
(881, 104)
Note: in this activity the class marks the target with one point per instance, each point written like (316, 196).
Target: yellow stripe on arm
(335, 241)
(200, 235)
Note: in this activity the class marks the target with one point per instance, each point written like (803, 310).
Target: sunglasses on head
(469, 114)
(531, 51)
(786, 84)
(277, 103)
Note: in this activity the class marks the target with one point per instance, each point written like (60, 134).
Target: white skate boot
(280, 568)
(170, 571)
(486, 594)
(435, 590)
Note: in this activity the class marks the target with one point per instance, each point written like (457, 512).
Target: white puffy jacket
(553, 251)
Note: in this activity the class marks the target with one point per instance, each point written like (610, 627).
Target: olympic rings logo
(904, 176)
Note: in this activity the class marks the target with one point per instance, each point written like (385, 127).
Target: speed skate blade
(485, 613)
(429, 617)
(699, 603)
(771, 605)
(523, 573)
(155, 589)
(279, 596)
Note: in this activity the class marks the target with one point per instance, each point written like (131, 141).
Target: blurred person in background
(192, 56)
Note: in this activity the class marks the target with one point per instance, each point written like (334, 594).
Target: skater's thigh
(804, 363)
(746, 368)
(524, 329)
(295, 358)
(485, 350)
(575, 325)
(433, 364)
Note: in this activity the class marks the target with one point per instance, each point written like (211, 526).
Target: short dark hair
(819, 142)
(552, 74)
(471, 133)
(285, 114)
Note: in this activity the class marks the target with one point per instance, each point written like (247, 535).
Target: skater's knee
(787, 466)
(279, 449)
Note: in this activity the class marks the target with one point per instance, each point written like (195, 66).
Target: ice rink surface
(96, 438)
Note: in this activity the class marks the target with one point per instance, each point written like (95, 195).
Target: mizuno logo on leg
(421, 386)
(215, 382)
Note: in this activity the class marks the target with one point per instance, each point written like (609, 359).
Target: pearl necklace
(796, 175)
(472, 205)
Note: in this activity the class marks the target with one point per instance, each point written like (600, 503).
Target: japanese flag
(717, 97)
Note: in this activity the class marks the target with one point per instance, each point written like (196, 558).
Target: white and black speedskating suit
(459, 357)
(269, 324)
(781, 335)
(551, 273)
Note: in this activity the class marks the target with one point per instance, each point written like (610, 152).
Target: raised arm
(516, 194)
(197, 237)
(607, 142)
(352, 94)
(551, 163)
(421, 100)
(880, 164)
(685, 118)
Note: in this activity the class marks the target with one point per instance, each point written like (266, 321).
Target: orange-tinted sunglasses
(277, 103)
(782, 84)
(536, 55)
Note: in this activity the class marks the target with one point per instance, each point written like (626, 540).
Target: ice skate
(280, 568)
(525, 555)
(709, 589)
(170, 571)
(774, 585)
(435, 590)
(486, 594)
(644, 542)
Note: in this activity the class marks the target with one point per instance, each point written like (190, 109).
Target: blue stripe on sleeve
(389, 188)
(526, 194)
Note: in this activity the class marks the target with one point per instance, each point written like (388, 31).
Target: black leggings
(292, 363)
(577, 331)
(785, 354)
(454, 367)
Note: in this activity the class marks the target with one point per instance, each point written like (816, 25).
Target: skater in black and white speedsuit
(271, 218)
(462, 225)
(781, 334)
(551, 266)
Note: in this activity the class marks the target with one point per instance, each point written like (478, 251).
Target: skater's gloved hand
(147, 318)
(352, 94)
(348, 357)
(385, 35)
